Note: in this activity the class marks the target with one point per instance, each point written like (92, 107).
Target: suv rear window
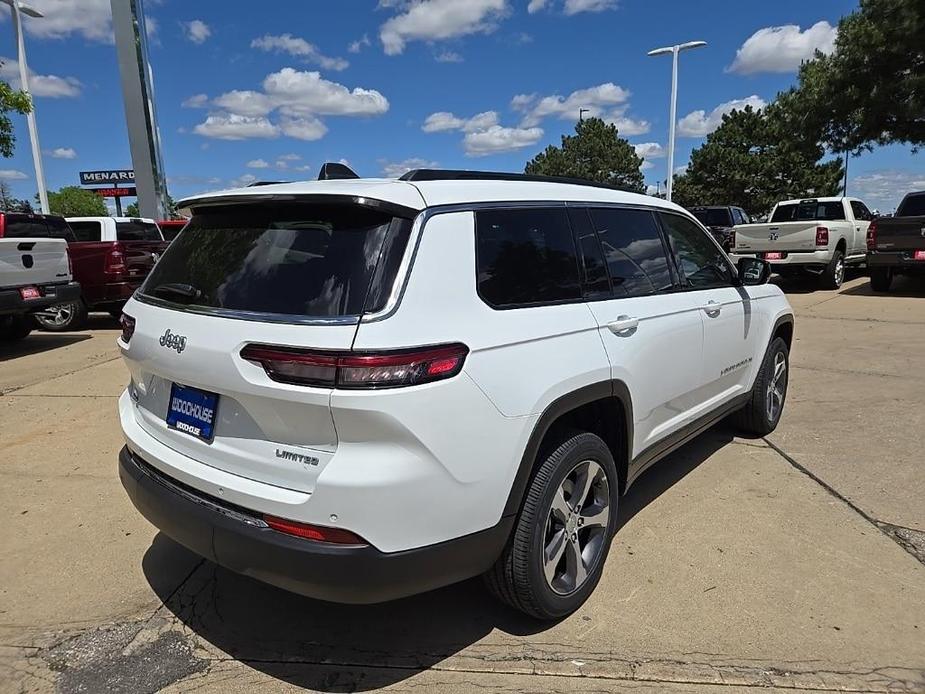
(526, 257)
(287, 258)
(808, 210)
(136, 230)
(716, 217)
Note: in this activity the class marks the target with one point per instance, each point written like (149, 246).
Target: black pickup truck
(896, 245)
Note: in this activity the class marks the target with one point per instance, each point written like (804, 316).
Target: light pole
(15, 8)
(674, 50)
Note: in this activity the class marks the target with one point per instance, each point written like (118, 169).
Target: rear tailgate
(900, 233)
(26, 261)
(295, 275)
(782, 236)
(142, 245)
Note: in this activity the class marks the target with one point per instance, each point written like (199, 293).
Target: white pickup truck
(816, 235)
(35, 272)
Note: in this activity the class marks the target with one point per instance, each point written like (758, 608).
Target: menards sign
(98, 178)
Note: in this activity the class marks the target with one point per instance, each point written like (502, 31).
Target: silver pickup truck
(820, 236)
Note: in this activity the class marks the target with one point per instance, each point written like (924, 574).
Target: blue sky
(271, 90)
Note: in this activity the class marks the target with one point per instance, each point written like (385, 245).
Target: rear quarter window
(87, 231)
(526, 257)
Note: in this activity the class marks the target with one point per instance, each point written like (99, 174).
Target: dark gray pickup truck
(896, 245)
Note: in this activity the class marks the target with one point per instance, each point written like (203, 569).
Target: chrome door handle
(624, 326)
(712, 308)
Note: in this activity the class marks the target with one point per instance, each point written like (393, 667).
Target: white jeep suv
(362, 389)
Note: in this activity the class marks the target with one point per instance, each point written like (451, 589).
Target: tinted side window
(634, 251)
(137, 231)
(702, 264)
(87, 231)
(525, 257)
(24, 226)
(58, 228)
(860, 211)
(594, 272)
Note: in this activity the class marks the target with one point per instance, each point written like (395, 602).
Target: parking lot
(792, 562)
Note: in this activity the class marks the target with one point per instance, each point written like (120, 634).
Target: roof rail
(463, 175)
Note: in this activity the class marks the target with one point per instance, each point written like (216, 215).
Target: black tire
(834, 274)
(69, 316)
(518, 578)
(756, 418)
(15, 328)
(881, 278)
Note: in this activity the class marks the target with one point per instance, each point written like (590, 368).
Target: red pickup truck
(110, 256)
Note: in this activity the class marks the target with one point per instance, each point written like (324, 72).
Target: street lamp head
(679, 47)
(27, 10)
(691, 44)
(661, 51)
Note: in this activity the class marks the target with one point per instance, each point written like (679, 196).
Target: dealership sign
(109, 177)
(116, 192)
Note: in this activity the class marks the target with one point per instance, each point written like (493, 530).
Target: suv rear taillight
(319, 533)
(822, 236)
(128, 327)
(115, 260)
(358, 369)
(2, 224)
(872, 236)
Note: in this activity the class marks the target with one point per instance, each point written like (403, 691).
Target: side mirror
(753, 271)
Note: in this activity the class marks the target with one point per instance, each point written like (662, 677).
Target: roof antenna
(333, 170)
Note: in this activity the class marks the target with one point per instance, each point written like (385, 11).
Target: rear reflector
(822, 236)
(128, 327)
(319, 533)
(358, 369)
(872, 236)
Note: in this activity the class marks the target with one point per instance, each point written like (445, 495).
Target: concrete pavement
(740, 565)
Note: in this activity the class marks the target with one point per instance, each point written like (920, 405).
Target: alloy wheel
(777, 387)
(576, 528)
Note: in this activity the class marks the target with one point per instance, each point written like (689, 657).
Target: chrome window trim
(252, 316)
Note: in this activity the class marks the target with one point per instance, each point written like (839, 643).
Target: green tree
(72, 201)
(596, 152)
(132, 209)
(10, 204)
(11, 101)
(871, 89)
(753, 161)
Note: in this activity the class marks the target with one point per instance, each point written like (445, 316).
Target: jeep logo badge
(172, 341)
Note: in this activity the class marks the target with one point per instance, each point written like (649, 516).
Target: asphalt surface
(792, 562)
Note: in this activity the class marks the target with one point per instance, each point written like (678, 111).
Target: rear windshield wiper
(178, 290)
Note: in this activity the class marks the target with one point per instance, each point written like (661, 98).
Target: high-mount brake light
(319, 533)
(872, 236)
(358, 369)
(822, 236)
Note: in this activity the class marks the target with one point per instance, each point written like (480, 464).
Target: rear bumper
(815, 259)
(897, 260)
(11, 301)
(238, 540)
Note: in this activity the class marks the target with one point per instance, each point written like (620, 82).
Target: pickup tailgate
(33, 261)
(900, 233)
(780, 236)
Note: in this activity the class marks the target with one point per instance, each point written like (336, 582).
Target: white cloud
(299, 93)
(231, 126)
(782, 48)
(51, 86)
(499, 139)
(244, 102)
(359, 44)
(151, 27)
(299, 48)
(626, 126)
(63, 153)
(258, 164)
(13, 175)
(396, 169)
(448, 57)
(196, 31)
(91, 19)
(242, 181)
(195, 101)
(883, 189)
(572, 7)
(649, 150)
(442, 121)
(298, 98)
(305, 128)
(289, 157)
(597, 101)
(434, 20)
(700, 123)
(304, 167)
